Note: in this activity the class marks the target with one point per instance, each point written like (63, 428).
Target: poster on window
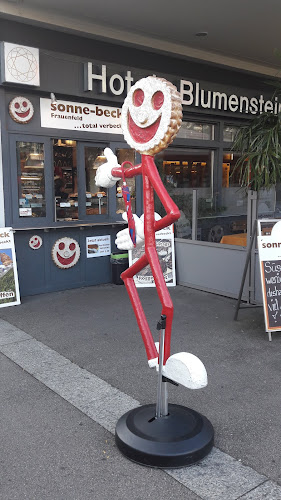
(165, 247)
(9, 285)
(98, 246)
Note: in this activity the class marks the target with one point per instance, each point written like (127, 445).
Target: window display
(65, 179)
(96, 198)
(31, 179)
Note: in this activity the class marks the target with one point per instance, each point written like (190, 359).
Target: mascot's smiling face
(21, 109)
(35, 242)
(151, 115)
(65, 252)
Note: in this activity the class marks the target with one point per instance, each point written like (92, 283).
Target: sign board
(269, 246)
(9, 285)
(19, 64)
(70, 115)
(165, 247)
(98, 246)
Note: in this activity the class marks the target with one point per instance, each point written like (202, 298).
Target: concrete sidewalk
(72, 362)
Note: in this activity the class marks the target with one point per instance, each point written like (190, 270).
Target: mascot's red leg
(127, 277)
(164, 296)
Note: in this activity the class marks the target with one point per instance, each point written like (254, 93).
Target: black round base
(181, 438)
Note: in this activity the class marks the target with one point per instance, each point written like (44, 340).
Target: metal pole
(248, 257)
(194, 214)
(161, 403)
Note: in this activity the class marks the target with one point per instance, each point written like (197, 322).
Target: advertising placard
(9, 285)
(98, 246)
(269, 246)
(80, 116)
(165, 247)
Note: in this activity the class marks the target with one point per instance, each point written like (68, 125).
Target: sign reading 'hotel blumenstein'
(192, 93)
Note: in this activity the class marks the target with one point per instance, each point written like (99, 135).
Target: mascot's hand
(103, 174)
(123, 240)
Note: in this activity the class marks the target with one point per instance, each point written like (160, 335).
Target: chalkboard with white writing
(269, 246)
(271, 275)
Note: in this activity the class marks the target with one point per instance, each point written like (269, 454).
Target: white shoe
(153, 363)
(186, 369)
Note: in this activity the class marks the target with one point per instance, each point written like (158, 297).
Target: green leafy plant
(259, 144)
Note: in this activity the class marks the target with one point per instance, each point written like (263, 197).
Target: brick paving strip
(217, 477)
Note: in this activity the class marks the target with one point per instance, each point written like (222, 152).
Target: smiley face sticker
(35, 242)
(21, 109)
(65, 253)
(151, 115)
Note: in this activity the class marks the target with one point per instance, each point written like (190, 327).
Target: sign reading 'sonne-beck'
(80, 116)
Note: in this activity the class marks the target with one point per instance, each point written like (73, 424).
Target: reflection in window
(31, 179)
(96, 197)
(181, 173)
(194, 130)
(126, 155)
(65, 179)
(234, 201)
(229, 133)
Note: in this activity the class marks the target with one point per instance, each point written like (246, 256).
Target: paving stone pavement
(75, 393)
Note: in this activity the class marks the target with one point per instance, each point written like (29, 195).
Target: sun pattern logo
(22, 64)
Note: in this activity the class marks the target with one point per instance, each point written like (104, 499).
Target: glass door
(100, 202)
(125, 154)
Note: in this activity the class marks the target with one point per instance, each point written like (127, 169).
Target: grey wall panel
(30, 263)
(39, 274)
(211, 267)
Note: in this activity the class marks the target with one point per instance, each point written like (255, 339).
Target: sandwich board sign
(269, 247)
(9, 284)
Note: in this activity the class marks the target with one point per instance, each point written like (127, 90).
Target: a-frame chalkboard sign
(269, 246)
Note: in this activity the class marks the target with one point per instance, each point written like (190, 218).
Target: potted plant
(259, 143)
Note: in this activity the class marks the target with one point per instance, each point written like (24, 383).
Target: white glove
(123, 240)
(103, 174)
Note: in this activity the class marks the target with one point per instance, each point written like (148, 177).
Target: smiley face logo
(65, 252)
(151, 115)
(35, 242)
(21, 109)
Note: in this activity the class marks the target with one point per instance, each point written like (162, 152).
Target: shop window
(229, 133)
(96, 197)
(31, 179)
(182, 172)
(233, 203)
(65, 179)
(126, 154)
(195, 130)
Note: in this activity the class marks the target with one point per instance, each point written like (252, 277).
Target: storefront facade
(57, 117)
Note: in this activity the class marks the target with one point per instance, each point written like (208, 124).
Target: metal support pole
(162, 397)
(194, 214)
(248, 257)
(254, 233)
